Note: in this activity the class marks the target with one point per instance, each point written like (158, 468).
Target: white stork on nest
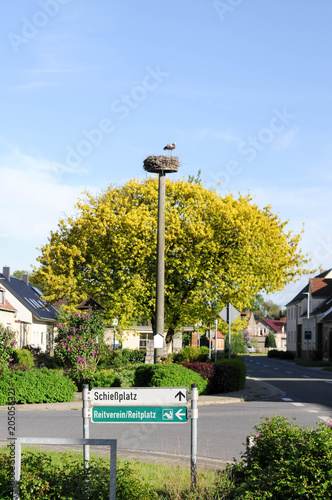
(169, 147)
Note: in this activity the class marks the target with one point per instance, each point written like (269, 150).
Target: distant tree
(265, 309)
(19, 274)
(270, 341)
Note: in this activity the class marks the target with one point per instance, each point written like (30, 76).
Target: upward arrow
(180, 395)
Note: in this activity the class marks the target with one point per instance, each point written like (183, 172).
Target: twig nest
(162, 163)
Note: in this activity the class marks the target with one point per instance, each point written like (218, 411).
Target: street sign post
(139, 414)
(229, 314)
(138, 396)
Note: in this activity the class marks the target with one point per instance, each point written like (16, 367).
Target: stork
(169, 147)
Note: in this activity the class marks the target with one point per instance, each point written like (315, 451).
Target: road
(222, 429)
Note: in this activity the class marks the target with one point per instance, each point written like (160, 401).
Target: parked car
(251, 348)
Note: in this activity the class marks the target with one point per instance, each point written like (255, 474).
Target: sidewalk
(255, 390)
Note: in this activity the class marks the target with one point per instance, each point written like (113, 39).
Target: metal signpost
(229, 314)
(158, 405)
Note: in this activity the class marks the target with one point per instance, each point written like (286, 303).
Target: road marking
(288, 372)
(286, 399)
(306, 376)
(298, 404)
(328, 381)
(312, 411)
(276, 369)
(265, 366)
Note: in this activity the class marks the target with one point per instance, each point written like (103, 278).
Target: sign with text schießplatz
(139, 404)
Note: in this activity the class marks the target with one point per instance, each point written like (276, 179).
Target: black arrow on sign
(180, 395)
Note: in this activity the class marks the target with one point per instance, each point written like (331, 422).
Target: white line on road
(325, 419)
(288, 372)
(306, 376)
(276, 369)
(286, 399)
(298, 404)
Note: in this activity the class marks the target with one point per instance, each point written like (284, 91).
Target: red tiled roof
(7, 305)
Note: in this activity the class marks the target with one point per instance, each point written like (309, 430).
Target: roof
(320, 286)
(275, 324)
(6, 306)
(30, 297)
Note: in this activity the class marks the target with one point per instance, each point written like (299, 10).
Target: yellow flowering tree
(218, 249)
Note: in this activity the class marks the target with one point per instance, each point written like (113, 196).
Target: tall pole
(161, 165)
(160, 284)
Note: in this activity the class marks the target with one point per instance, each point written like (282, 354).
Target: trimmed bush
(285, 462)
(168, 376)
(274, 353)
(24, 357)
(286, 355)
(37, 386)
(122, 357)
(229, 376)
(115, 377)
(190, 354)
(206, 370)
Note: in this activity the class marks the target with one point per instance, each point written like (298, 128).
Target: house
(8, 313)
(309, 319)
(26, 312)
(275, 326)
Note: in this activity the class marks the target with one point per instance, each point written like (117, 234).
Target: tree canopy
(218, 249)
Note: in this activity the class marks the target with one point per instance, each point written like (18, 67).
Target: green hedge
(274, 353)
(285, 462)
(24, 357)
(123, 376)
(37, 386)
(229, 375)
(121, 357)
(190, 354)
(168, 376)
(42, 479)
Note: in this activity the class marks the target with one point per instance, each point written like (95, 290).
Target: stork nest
(163, 163)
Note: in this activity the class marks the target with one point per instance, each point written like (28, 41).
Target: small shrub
(229, 376)
(120, 357)
(37, 386)
(286, 355)
(168, 376)
(274, 353)
(24, 357)
(286, 462)
(206, 370)
(41, 479)
(190, 354)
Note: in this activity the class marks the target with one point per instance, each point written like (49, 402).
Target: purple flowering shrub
(7, 343)
(80, 343)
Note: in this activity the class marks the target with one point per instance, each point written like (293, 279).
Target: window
(262, 330)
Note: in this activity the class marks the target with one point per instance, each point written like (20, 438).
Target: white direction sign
(138, 396)
(229, 314)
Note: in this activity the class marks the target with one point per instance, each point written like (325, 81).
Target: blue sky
(89, 89)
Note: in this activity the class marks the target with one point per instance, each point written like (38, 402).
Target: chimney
(6, 272)
(25, 278)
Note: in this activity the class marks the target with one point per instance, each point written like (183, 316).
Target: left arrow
(179, 414)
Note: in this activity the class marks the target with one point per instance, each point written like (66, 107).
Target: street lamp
(307, 333)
